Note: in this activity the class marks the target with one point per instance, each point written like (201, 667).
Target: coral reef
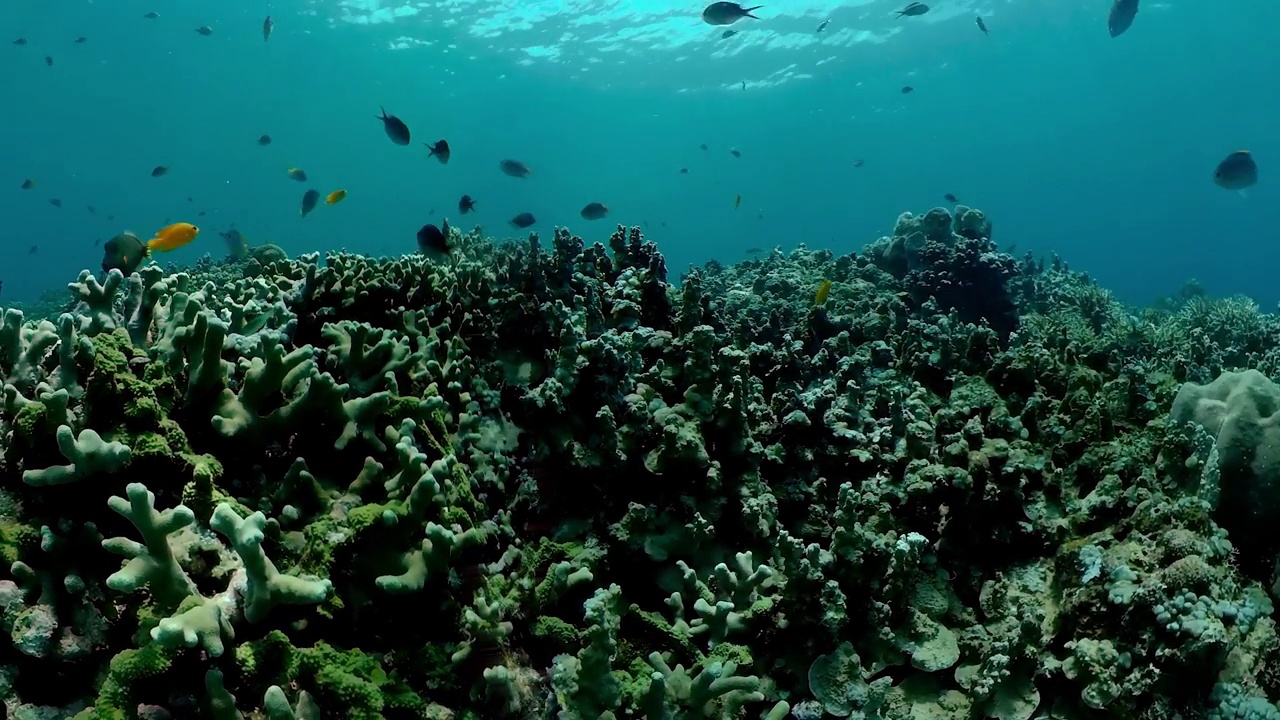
(532, 481)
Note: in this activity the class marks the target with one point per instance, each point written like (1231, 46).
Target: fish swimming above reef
(172, 237)
(725, 36)
(205, 30)
(594, 211)
(727, 13)
(433, 241)
(1121, 16)
(395, 128)
(264, 140)
(466, 204)
(125, 252)
(515, 168)
(267, 26)
(159, 171)
(913, 9)
(439, 151)
(335, 197)
(309, 200)
(523, 220)
(1237, 171)
(982, 25)
(298, 174)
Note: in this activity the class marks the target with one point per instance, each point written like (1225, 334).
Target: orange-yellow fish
(737, 201)
(820, 297)
(335, 197)
(172, 237)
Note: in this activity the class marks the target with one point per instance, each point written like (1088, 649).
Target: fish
(913, 9)
(727, 13)
(1237, 171)
(82, 40)
(466, 205)
(728, 34)
(28, 184)
(820, 297)
(151, 15)
(298, 174)
(523, 220)
(515, 168)
(20, 41)
(309, 200)
(859, 162)
(125, 252)
(264, 140)
(982, 25)
(191, 199)
(684, 171)
(822, 26)
(703, 146)
(744, 84)
(735, 153)
(205, 30)
(172, 237)
(951, 198)
(440, 151)
(266, 28)
(92, 210)
(55, 202)
(594, 211)
(1121, 16)
(48, 60)
(434, 241)
(737, 202)
(33, 249)
(335, 197)
(395, 128)
(907, 89)
(159, 171)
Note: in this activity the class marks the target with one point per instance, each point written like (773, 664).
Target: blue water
(1100, 149)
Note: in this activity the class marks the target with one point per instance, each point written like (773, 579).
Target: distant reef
(538, 480)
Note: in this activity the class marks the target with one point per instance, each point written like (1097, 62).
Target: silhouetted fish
(1121, 17)
(395, 128)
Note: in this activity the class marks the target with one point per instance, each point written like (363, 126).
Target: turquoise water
(1098, 148)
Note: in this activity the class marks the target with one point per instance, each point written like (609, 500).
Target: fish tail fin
(431, 150)
(747, 11)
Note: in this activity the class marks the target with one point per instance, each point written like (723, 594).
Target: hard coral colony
(535, 481)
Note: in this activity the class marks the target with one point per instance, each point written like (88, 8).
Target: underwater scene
(533, 360)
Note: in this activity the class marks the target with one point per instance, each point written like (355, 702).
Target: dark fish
(264, 140)
(48, 60)
(951, 198)
(55, 202)
(515, 168)
(191, 199)
(728, 34)
(823, 26)
(20, 41)
(28, 184)
(309, 200)
(91, 209)
(202, 213)
(159, 170)
(433, 241)
(859, 162)
(907, 89)
(744, 84)
(111, 217)
(151, 15)
(1237, 172)
(124, 252)
(684, 171)
(395, 127)
(1121, 16)
(466, 204)
(982, 25)
(727, 13)
(703, 146)
(594, 211)
(266, 28)
(33, 249)
(205, 30)
(913, 9)
(97, 242)
(82, 40)
(735, 153)
(440, 151)
(523, 220)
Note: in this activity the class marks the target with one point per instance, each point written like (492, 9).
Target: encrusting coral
(539, 480)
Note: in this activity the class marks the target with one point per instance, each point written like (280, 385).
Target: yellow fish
(172, 237)
(335, 197)
(737, 201)
(820, 297)
(298, 174)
